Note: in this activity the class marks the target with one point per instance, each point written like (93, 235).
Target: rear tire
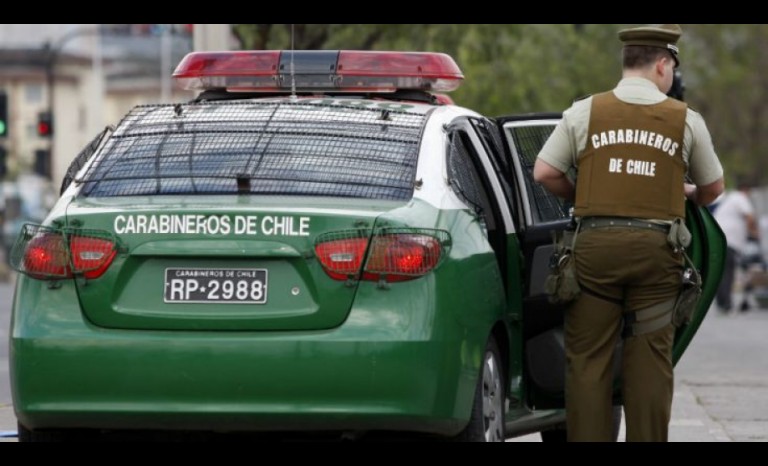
(486, 423)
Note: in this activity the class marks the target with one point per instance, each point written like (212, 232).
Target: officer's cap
(662, 35)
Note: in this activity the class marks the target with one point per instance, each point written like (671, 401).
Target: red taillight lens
(50, 253)
(91, 256)
(341, 258)
(394, 255)
(46, 256)
(400, 257)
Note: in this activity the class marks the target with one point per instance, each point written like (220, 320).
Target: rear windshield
(274, 147)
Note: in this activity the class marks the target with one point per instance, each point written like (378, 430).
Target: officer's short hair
(640, 56)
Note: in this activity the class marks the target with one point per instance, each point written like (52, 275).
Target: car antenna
(293, 77)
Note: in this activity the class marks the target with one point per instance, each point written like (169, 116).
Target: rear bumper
(381, 370)
(246, 384)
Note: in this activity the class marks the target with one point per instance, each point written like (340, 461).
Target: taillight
(341, 258)
(91, 256)
(49, 253)
(400, 257)
(393, 255)
(46, 257)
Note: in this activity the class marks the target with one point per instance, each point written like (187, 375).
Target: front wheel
(486, 423)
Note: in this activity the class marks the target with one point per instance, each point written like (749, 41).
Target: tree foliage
(522, 68)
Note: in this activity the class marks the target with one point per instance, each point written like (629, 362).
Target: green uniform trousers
(621, 270)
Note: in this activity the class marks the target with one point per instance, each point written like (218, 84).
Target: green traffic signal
(3, 114)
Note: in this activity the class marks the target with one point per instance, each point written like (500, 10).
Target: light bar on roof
(318, 70)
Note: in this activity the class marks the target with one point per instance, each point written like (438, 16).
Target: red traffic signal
(45, 124)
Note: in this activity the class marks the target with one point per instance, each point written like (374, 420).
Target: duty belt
(588, 223)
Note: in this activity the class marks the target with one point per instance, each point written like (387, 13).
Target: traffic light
(3, 114)
(45, 124)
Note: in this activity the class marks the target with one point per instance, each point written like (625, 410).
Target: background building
(63, 83)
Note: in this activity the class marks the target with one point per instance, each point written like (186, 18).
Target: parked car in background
(315, 244)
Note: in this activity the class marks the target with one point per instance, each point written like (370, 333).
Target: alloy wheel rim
(492, 402)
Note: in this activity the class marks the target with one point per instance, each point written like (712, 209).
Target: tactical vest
(633, 163)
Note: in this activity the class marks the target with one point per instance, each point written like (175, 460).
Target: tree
(521, 68)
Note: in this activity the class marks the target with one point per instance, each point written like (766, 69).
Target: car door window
(465, 180)
(490, 137)
(526, 141)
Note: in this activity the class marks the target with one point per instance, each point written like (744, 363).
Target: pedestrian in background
(736, 216)
(631, 147)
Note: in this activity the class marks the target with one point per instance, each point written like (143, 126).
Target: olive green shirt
(569, 138)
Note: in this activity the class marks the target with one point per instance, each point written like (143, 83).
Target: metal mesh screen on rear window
(82, 158)
(528, 141)
(291, 148)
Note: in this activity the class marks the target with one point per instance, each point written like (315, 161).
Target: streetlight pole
(53, 52)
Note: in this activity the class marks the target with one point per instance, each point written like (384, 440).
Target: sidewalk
(7, 424)
(690, 422)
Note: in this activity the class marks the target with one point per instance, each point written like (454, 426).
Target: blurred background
(61, 84)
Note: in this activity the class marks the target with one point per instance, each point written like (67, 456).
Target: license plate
(205, 285)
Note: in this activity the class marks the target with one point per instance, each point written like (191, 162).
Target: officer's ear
(662, 64)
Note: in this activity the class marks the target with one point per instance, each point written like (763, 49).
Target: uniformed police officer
(632, 147)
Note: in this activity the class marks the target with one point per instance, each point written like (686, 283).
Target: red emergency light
(318, 70)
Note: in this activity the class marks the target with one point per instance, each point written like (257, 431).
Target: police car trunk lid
(251, 265)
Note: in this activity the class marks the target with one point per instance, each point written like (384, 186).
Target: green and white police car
(320, 242)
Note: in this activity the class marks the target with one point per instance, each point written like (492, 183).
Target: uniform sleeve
(568, 138)
(703, 165)
(557, 149)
